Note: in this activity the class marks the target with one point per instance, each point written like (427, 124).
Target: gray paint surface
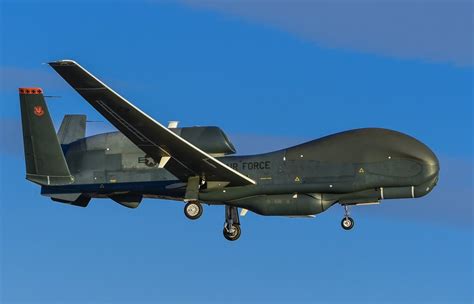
(353, 167)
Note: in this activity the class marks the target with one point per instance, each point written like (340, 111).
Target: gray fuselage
(353, 167)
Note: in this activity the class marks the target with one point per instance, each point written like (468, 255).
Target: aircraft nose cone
(427, 180)
(412, 148)
(430, 162)
(429, 157)
(415, 149)
(430, 173)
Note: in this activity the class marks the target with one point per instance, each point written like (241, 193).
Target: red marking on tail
(38, 110)
(30, 91)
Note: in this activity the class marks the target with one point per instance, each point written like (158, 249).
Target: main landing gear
(232, 224)
(347, 222)
(193, 210)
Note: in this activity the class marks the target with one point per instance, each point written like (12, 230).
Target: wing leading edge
(186, 160)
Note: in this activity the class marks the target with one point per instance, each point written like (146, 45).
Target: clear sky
(270, 76)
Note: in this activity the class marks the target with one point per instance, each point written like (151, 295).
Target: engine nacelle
(209, 139)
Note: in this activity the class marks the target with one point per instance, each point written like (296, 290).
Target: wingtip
(62, 62)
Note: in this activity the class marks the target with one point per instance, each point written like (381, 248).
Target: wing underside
(185, 159)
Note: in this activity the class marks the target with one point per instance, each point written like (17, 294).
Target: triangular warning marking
(361, 170)
(297, 179)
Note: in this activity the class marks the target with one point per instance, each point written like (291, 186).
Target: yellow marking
(361, 171)
(113, 180)
(297, 179)
(265, 178)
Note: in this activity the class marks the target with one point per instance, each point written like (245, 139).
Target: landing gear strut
(232, 224)
(347, 222)
(193, 210)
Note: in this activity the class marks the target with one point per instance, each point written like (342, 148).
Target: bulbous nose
(414, 149)
(430, 162)
(430, 171)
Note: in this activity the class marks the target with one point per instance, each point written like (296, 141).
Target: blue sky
(269, 79)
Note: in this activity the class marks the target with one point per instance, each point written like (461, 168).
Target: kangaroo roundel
(38, 110)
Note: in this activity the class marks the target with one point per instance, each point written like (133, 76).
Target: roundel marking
(38, 110)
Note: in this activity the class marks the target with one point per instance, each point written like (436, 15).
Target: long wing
(185, 159)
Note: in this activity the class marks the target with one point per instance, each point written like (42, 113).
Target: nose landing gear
(347, 222)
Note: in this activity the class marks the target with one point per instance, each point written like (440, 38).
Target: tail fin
(72, 128)
(45, 162)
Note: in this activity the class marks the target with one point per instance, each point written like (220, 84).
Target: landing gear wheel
(347, 223)
(193, 210)
(233, 233)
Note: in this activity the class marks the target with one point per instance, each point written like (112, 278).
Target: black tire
(347, 223)
(193, 210)
(232, 236)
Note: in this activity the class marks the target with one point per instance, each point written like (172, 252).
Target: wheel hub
(192, 209)
(232, 232)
